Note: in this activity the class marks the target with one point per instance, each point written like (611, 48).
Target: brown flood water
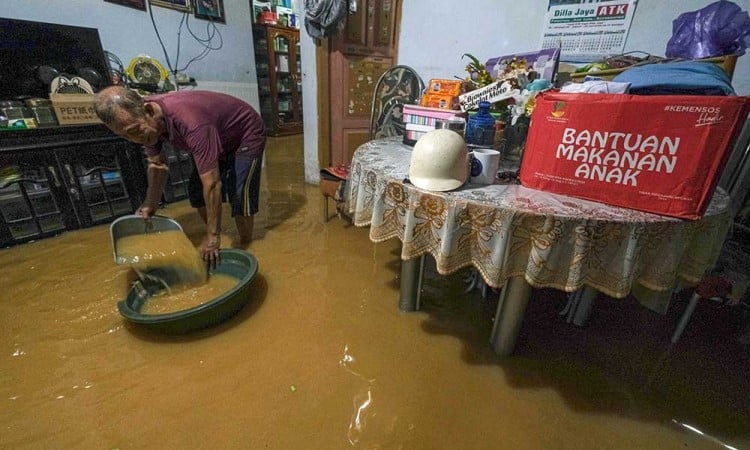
(322, 358)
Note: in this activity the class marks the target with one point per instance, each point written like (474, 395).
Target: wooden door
(357, 57)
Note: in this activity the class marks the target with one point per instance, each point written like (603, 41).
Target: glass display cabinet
(279, 69)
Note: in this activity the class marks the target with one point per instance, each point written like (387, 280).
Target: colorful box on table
(439, 101)
(446, 87)
(420, 119)
(661, 154)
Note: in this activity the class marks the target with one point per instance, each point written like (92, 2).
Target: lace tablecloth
(507, 230)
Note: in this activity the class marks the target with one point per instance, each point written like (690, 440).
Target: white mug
(484, 164)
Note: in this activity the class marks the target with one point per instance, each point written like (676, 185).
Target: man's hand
(210, 249)
(147, 211)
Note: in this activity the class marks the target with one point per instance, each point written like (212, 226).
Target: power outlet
(182, 78)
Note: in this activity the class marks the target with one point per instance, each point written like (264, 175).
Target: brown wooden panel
(362, 74)
(352, 140)
(355, 29)
(356, 60)
(353, 80)
(384, 23)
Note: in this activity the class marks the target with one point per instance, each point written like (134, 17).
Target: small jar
(457, 124)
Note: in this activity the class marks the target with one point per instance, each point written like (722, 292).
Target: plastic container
(134, 224)
(235, 263)
(480, 129)
(457, 124)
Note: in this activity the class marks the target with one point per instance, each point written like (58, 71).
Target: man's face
(144, 130)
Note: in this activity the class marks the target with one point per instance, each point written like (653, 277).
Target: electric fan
(146, 73)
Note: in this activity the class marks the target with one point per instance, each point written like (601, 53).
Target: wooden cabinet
(277, 61)
(358, 56)
(371, 30)
(63, 178)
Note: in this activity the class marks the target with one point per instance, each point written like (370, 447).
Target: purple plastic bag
(719, 29)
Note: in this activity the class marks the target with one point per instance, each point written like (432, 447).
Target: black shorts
(240, 183)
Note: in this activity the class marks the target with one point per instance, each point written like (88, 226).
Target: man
(225, 136)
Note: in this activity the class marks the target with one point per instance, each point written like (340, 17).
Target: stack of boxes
(440, 102)
(419, 120)
(442, 94)
(275, 12)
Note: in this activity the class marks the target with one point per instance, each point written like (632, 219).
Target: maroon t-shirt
(208, 125)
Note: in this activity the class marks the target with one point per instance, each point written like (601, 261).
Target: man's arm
(211, 181)
(156, 174)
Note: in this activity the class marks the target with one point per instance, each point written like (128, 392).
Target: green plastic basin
(235, 263)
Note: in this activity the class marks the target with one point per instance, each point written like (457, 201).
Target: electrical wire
(158, 36)
(211, 32)
(208, 43)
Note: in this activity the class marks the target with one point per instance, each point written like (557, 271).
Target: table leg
(509, 315)
(412, 272)
(685, 317)
(579, 306)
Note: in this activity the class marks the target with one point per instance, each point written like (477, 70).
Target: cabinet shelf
(278, 89)
(71, 177)
(36, 193)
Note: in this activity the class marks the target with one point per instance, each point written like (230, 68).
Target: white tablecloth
(507, 230)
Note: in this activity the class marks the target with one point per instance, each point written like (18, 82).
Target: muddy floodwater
(322, 358)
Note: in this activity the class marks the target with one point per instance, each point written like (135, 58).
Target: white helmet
(439, 161)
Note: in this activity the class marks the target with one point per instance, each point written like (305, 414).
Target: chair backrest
(398, 86)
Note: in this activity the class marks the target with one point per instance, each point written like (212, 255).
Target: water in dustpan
(134, 224)
(157, 250)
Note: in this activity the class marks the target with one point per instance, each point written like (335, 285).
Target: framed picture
(179, 5)
(137, 4)
(212, 10)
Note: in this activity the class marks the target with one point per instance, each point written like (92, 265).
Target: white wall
(128, 32)
(435, 34)
(434, 48)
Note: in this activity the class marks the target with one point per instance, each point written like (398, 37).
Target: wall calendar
(587, 30)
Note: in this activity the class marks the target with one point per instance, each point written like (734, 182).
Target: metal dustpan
(134, 224)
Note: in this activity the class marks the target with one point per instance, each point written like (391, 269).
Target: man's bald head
(111, 99)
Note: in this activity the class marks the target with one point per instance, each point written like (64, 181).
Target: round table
(529, 238)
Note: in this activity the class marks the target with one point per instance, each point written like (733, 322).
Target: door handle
(55, 178)
(71, 176)
(72, 183)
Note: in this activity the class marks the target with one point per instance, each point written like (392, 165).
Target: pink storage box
(421, 119)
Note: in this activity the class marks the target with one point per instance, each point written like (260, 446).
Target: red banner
(661, 154)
